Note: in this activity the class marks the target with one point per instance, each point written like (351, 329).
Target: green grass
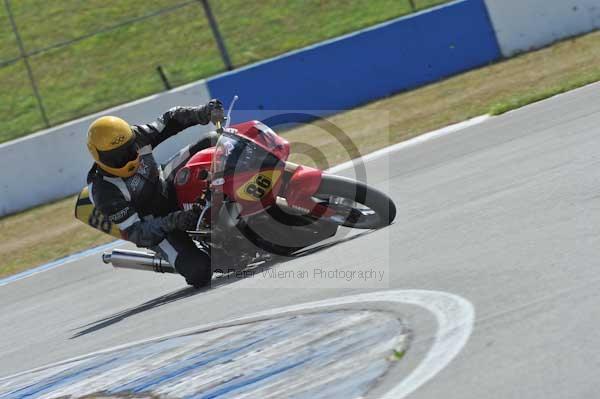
(525, 98)
(120, 65)
(8, 45)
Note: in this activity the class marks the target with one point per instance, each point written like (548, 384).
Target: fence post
(163, 77)
(25, 57)
(217, 34)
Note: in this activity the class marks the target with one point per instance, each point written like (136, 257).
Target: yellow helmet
(112, 145)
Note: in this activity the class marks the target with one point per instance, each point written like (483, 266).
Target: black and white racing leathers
(139, 205)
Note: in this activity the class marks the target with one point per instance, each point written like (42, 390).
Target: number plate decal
(258, 186)
(88, 214)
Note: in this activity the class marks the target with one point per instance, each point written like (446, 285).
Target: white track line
(346, 165)
(454, 315)
(412, 142)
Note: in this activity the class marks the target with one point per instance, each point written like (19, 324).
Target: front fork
(303, 183)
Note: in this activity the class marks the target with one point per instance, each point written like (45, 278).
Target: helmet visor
(119, 157)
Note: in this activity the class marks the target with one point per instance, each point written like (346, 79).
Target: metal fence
(69, 64)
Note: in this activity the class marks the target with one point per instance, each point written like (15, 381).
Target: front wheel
(355, 204)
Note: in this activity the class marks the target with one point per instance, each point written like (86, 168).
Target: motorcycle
(255, 203)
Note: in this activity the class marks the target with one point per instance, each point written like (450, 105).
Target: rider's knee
(194, 265)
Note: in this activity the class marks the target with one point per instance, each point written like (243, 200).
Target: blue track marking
(342, 353)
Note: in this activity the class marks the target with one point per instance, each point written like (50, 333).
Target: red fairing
(303, 184)
(264, 136)
(189, 181)
(201, 158)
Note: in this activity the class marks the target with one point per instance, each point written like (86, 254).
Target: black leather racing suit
(138, 204)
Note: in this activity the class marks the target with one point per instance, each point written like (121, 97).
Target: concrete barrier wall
(338, 74)
(369, 64)
(523, 25)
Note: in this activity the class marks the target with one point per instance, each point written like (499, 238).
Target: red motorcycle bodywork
(191, 181)
(191, 188)
(303, 184)
(264, 136)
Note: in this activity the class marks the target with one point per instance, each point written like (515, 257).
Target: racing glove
(215, 108)
(181, 220)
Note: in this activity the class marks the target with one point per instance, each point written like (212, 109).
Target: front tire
(357, 204)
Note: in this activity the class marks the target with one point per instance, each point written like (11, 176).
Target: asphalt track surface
(504, 214)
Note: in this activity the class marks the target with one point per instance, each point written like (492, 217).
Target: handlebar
(219, 124)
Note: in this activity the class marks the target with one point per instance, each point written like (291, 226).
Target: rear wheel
(355, 204)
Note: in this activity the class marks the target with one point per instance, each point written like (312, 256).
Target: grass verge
(43, 234)
(50, 232)
(522, 99)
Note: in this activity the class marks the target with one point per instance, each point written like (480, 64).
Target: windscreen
(234, 154)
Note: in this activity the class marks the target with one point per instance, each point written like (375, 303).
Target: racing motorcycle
(255, 203)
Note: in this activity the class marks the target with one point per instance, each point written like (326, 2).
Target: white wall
(523, 25)
(54, 163)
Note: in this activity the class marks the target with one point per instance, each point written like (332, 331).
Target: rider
(136, 193)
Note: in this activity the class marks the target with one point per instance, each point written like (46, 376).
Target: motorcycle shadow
(218, 281)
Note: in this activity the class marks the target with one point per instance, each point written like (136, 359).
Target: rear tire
(360, 193)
